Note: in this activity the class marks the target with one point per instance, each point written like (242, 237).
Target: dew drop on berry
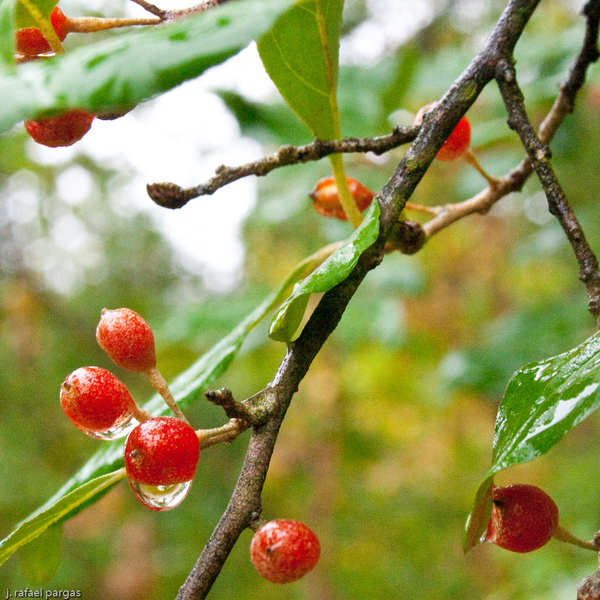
(160, 497)
(118, 431)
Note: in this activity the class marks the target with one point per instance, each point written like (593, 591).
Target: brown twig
(171, 195)
(558, 204)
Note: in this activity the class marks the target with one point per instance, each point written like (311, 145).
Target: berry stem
(141, 415)
(470, 157)
(224, 434)
(562, 535)
(160, 385)
(44, 26)
(346, 200)
(428, 210)
(93, 24)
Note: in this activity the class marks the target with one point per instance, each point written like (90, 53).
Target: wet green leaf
(7, 35)
(24, 18)
(300, 54)
(542, 403)
(333, 271)
(134, 66)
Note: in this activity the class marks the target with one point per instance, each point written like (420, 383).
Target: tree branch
(539, 155)
(171, 195)
(245, 502)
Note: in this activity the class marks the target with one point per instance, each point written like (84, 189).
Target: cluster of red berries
(161, 453)
(64, 129)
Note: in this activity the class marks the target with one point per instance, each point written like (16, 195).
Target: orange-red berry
(283, 550)
(326, 198)
(30, 41)
(162, 451)
(458, 141)
(63, 130)
(523, 518)
(96, 401)
(128, 339)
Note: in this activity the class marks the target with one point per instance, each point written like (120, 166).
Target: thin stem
(470, 157)
(346, 200)
(427, 210)
(562, 535)
(140, 415)
(225, 434)
(160, 385)
(93, 24)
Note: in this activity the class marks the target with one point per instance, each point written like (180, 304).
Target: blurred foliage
(391, 431)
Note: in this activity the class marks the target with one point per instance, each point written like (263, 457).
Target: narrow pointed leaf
(333, 271)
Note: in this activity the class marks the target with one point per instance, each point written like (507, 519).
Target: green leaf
(300, 54)
(333, 271)
(86, 486)
(39, 522)
(40, 559)
(542, 403)
(134, 66)
(7, 35)
(24, 16)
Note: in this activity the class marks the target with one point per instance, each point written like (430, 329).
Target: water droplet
(115, 432)
(160, 497)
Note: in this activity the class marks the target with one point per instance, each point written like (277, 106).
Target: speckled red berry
(127, 338)
(326, 199)
(162, 451)
(523, 518)
(283, 550)
(458, 141)
(96, 402)
(62, 130)
(30, 41)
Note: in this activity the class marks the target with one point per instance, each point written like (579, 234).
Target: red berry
(523, 518)
(283, 551)
(96, 402)
(127, 339)
(30, 40)
(162, 451)
(326, 199)
(458, 141)
(63, 130)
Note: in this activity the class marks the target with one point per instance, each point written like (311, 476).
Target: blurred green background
(391, 431)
